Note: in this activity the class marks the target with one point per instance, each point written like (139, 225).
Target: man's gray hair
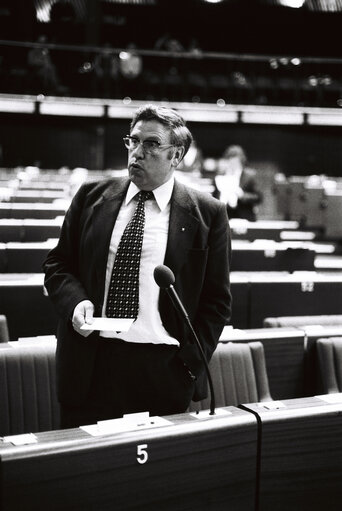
(180, 134)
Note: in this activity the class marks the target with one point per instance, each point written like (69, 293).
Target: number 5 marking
(142, 455)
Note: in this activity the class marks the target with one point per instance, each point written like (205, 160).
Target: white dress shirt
(147, 328)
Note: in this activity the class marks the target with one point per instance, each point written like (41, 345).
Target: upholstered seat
(329, 351)
(28, 401)
(238, 371)
(4, 334)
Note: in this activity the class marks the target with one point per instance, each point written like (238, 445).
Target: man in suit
(155, 366)
(237, 185)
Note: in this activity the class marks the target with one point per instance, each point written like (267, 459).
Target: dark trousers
(130, 378)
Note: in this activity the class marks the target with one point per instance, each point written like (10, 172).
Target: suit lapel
(105, 213)
(182, 228)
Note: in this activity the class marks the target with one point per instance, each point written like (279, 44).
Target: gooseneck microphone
(165, 279)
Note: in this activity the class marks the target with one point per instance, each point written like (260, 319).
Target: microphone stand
(179, 306)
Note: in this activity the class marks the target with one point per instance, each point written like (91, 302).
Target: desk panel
(240, 301)
(300, 456)
(32, 230)
(26, 257)
(306, 294)
(29, 312)
(37, 196)
(206, 465)
(26, 210)
(246, 257)
(261, 229)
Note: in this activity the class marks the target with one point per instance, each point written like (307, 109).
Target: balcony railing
(196, 77)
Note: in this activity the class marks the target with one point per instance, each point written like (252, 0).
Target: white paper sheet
(109, 324)
(126, 423)
(331, 398)
(24, 439)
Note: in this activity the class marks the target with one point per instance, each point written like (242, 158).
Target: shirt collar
(162, 194)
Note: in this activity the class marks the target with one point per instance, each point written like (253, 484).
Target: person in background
(153, 366)
(236, 184)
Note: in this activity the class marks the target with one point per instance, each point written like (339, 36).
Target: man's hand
(83, 313)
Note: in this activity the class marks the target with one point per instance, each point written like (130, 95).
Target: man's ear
(178, 155)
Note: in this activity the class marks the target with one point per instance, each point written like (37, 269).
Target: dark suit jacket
(198, 252)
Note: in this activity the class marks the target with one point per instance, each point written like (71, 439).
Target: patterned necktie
(123, 294)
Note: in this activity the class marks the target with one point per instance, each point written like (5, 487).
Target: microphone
(165, 279)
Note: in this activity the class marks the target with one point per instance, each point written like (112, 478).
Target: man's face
(148, 171)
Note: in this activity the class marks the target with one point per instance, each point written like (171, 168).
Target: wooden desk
(268, 255)
(37, 196)
(52, 185)
(239, 285)
(25, 257)
(29, 312)
(268, 229)
(17, 229)
(261, 229)
(26, 210)
(302, 294)
(300, 455)
(192, 464)
(284, 355)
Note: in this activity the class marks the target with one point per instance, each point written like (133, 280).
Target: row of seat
(290, 352)
(240, 370)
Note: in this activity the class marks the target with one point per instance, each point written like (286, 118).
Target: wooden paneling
(203, 464)
(291, 295)
(29, 312)
(300, 455)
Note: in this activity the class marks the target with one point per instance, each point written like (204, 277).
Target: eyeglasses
(149, 146)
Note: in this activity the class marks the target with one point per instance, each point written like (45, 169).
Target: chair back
(4, 334)
(329, 351)
(239, 375)
(28, 400)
